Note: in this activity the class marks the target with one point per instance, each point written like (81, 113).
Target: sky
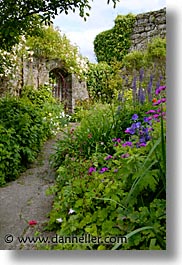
(101, 18)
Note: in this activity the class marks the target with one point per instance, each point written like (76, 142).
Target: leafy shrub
(10, 157)
(113, 44)
(134, 60)
(25, 123)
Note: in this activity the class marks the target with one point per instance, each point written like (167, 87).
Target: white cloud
(101, 18)
(136, 6)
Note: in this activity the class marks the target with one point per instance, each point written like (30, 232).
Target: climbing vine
(53, 44)
(116, 40)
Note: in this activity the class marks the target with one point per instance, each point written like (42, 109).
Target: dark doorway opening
(60, 81)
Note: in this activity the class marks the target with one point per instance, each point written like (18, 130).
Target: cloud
(101, 18)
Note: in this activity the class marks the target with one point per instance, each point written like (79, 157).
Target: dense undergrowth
(25, 124)
(111, 177)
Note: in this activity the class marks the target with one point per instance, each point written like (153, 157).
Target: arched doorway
(61, 83)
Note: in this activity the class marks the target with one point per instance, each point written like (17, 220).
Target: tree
(19, 17)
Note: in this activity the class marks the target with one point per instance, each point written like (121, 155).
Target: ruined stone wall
(79, 92)
(146, 27)
(36, 73)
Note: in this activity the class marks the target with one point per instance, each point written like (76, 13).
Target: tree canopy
(19, 17)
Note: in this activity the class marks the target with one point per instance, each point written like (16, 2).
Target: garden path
(25, 199)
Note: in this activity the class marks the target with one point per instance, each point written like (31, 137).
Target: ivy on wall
(113, 44)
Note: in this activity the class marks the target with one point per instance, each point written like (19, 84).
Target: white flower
(60, 220)
(71, 211)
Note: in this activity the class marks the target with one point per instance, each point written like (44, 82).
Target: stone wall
(36, 73)
(79, 92)
(146, 27)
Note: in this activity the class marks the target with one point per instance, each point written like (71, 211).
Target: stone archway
(67, 87)
(61, 83)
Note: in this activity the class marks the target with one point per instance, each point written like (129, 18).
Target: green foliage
(20, 17)
(134, 60)
(38, 96)
(92, 134)
(116, 40)
(113, 189)
(154, 54)
(156, 50)
(102, 82)
(53, 44)
(25, 123)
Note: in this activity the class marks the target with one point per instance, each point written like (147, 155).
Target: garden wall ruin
(146, 27)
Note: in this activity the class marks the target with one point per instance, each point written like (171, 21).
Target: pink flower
(151, 111)
(32, 222)
(91, 170)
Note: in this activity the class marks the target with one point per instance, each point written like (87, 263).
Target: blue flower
(134, 117)
(138, 124)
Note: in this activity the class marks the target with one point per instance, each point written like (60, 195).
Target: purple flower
(127, 144)
(127, 130)
(141, 74)
(108, 157)
(116, 170)
(104, 169)
(138, 145)
(125, 155)
(156, 116)
(159, 89)
(150, 111)
(138, 124)
(91, 169)
(134, 117)
(142, 144)
(148, 119)
(159, 101)
(142, 139)
(130, 130)
(118, 140)
(145, 130)
(147, 138)
(149, 89)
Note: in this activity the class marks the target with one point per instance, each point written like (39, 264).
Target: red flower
(89, 135)
(154, 100)
(32, 222)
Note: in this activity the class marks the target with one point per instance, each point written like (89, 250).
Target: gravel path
(25, 199)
